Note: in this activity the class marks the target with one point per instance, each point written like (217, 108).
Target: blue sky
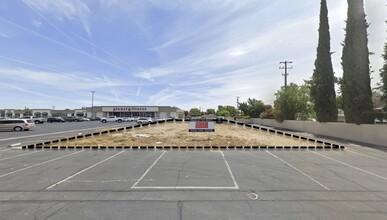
(182, 53)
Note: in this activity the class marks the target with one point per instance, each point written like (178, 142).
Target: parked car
(112, 119)
(95, 119)
(161, 119)
(36, 120)
(73, 119)
(55, 119)
(143, 120)
(16, 124)
(128, 119)
(153, 119)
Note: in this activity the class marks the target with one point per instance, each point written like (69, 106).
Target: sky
(183, 53)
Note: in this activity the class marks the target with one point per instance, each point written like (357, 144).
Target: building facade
(98, 111)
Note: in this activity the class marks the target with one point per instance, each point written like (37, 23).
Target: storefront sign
(130, 109)
(201, 126)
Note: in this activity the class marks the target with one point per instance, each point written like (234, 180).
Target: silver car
(16, 124)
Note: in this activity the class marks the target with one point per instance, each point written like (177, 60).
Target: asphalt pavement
(50, 131)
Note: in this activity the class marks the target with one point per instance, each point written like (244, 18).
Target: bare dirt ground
(176, 134)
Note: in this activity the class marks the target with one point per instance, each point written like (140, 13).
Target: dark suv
(55, 119)
(73, 119)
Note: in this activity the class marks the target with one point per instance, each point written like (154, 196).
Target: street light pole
(92, 104)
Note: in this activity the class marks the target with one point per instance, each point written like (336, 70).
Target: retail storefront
(98, 111)
(131, 111)
(138, 111)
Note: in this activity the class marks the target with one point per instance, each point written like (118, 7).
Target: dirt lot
(176, 134)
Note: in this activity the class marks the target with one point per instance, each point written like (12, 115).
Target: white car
(161, 119)
(128, 119)
(112, 119)
(143, 120)
(16, 124)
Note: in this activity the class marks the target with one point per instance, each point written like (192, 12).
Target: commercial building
(98, 111)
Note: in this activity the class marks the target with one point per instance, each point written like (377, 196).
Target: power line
(92, 104)
(237, 109)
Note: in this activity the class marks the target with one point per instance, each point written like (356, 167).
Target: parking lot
(49, 131)
(191, 184)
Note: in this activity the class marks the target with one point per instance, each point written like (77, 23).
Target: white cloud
(62, 81)
(72, 10)
(36, 23)
(153, 73)
(4, 34)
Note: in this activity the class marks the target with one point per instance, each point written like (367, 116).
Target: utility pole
(92, 104)
(237, 97)
(286, 70)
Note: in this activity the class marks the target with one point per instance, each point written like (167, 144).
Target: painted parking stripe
(188, 187)
(35, 165)
(364, 155)
(88, 168)
(19, 155)
(309, 177)
(229, 170)
(143, 175)
(235, 187)
(349, 165)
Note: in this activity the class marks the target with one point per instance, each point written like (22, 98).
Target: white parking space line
(352, 151)
(88, 168)
(143, 175)
(188, 187)
(48, 161)
(235, 187)
(311, 178)
(357, 168)
(229, 170)
(20, 155)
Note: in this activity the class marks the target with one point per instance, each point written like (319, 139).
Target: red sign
(201, 124)
(129, 109)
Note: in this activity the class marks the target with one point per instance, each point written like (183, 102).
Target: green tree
(322, 88)
(230, 109)
(293, 102)
(194, 112)
(383, 75)
(252, 108)
(339, 101)
(223, 112)
(356, 86)
(210, 111)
